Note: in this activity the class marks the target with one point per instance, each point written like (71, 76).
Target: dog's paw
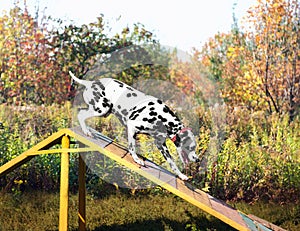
(87, 132)
(139, 161)
(183, 177)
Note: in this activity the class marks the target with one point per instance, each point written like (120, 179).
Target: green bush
(23, 127)
(258, 159)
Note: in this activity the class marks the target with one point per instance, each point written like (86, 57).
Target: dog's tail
(80, 81)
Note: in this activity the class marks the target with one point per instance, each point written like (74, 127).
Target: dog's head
(186, 146)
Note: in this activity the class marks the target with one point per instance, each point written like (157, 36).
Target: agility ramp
(151, 171)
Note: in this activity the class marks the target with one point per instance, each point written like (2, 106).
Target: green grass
(32, 211)
(286, 215)
(39, 211)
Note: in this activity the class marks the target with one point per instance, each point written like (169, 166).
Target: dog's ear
(177, 140)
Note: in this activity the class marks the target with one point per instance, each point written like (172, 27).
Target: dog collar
(181, 131)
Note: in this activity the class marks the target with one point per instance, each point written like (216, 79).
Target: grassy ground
(286, 216)
(39, 211)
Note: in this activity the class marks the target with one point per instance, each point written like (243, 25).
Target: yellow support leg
(64, 186)
(82, 207)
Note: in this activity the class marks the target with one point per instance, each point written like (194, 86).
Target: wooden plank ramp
(171, 182)
(151, 171)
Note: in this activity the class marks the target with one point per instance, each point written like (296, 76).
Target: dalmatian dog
(141, 113)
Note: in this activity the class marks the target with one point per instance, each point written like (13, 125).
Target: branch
(268, 94)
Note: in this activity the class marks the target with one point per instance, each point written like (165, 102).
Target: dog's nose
(197, 160)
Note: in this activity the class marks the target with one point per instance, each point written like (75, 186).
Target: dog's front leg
(165, 152)
(82, 116)
(131, 146)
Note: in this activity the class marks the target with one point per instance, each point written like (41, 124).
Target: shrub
(258, 159)
(23, 127)
(260, 162)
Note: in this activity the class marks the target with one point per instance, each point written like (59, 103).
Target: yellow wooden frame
(117, 153)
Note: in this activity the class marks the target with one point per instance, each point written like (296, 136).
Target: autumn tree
(78, 48)
(274, 35)
(223, 56)
(258, 67)
(35, 59)
(28, 69)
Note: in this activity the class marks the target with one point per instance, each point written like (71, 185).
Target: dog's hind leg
(82, 116)
(131, 145)
(165, 152)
